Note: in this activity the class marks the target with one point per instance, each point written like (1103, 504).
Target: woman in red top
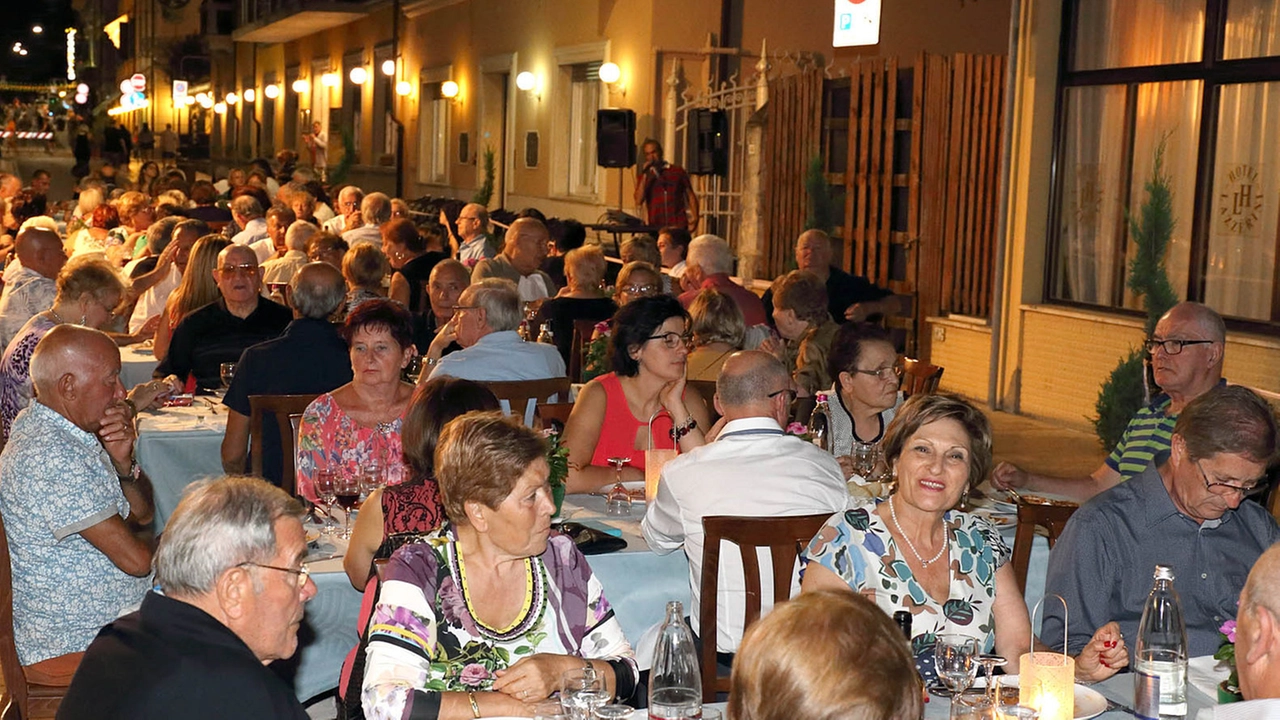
(647, 351)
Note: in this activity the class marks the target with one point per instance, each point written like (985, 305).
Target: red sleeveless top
(619, 433)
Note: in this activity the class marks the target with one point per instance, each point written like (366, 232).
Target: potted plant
(558, 463)
(1229, 689)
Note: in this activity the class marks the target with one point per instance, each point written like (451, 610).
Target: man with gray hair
(375, 211)
(1257, 639)
(708, 266)
(232, 584)
(282, 269)
(1186, 510)
(752, 467)
(273, 367)
(472, 242)
(248, 215)
(484, 324)
(348, 211)
(171, 263)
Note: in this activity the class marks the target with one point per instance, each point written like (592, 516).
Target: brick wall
(964, 350)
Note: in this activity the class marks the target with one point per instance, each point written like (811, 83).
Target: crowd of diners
(396, 320)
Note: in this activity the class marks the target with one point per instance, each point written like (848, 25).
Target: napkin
(1204, 673)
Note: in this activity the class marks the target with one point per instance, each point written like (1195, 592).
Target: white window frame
(574, 121)
(434, 124)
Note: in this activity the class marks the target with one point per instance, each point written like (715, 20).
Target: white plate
(1088, 702)
(633, 485)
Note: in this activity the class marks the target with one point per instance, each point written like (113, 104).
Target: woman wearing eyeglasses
(647, 351)
(864, 395)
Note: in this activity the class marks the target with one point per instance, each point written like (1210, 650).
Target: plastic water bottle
(675, 684)
(1160, 680)
(820, 423)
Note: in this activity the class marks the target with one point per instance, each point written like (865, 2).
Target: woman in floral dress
(359, 423)
(948, 568)
(482, 619)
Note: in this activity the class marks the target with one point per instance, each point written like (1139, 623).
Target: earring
(83, 319)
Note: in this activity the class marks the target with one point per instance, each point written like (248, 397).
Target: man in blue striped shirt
(1186, 351)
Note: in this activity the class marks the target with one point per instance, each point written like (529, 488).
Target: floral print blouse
(424, 639)
(856, 545)
(329, 438)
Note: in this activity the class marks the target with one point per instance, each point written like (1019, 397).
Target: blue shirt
(502, 356)
(1103, 563)
(55, 481)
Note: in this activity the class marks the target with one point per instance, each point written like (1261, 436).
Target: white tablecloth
(179, 445)
(136, 365)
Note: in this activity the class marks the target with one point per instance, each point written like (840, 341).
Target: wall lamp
(301, 86)
(330, 80)
(404, 88)
(271, 91)
(528, 82)
(610, 74)
(359, 75)
(250, 95)
(449, 90)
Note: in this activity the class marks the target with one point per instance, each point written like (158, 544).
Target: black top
(417, 272)
(425, 327)
(173, 660)
(211, 336)
(209, 213)
(554, 266)
(308, 357)
(843, 290)
(563, 311)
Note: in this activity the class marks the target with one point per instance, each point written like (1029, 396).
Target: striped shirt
(1148, 434)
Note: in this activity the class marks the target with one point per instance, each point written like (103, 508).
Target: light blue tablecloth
(136, 366)
(177, 446)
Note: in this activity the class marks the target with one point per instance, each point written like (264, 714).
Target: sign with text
(179, 93)
(857, 22)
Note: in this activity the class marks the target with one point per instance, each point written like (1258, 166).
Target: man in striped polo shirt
(1186, 350)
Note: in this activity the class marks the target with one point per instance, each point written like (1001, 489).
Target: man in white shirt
(375, 211)
(752, 468)
(282, 269)
(484, 324)
(1257, 645)
(349, 199)
(247, 213)
(520, 261)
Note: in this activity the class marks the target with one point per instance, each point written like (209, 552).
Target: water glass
(613, 712)
(549, 710)
(370, 478)
(581, 692)
(972, 707)
(956, 661)
(864, 459)
(227, 371)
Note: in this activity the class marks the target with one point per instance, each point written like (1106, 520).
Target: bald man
(1257, 644)
(472, 242)
(33, 289)
(751, 468)
(524, 249)
(849, 297)
(1186, 350)
(221, 330)
(71, 495)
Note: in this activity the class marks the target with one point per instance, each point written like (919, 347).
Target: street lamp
(37, 29)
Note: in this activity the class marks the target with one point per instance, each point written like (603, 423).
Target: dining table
(137, 363)
(178, 445)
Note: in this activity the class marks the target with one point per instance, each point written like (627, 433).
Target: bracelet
(682, 430)
(431, 363)
(475, 706)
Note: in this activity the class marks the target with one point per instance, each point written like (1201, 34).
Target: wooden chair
(582, 332)
(525, 395)
(1053, 518)
(286, 409)
(21, 700)
(786, 538)
(919, 377)
(554, 416)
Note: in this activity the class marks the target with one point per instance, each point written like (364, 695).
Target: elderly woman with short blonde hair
(582, 299)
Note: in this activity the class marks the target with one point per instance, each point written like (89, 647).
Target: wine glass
(618, 501)
(325, 493)
(954, 658)
(974, 707)
(581, 692)
(347, 492)
(864, 459)
(370, 478)
(227, 371)
(989, 664)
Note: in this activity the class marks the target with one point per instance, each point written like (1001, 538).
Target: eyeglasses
(246, 269)
(639, 289)
(776, 393)
(1253, 488)
(673, 340)
(1171, 347)
(884, 373)
(350, 205)
(302, 573)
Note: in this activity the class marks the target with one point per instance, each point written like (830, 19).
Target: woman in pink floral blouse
(359, 423)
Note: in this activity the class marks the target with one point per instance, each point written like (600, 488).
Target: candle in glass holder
(654, 460)
(1047, 683)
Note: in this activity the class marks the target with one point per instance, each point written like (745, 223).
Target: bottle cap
(1164, 572)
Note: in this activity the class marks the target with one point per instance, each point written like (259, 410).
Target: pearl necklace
(893, 514)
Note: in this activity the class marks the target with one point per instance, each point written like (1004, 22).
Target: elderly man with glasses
(231, 587)
(1186, 510)
(220, 331)
(751, 468)
(1186, 352)
(472, 242)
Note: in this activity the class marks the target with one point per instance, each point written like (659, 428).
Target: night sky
(46, 57)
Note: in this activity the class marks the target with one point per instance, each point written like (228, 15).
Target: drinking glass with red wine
(347, 493)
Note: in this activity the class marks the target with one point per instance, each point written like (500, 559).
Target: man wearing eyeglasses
(1186, 510)
(1186, 353)
(220, 331)
(231, 587)
(348, 217)
(751, 468)
(472, 242)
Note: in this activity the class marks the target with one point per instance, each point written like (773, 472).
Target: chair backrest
(285, 408)
(785, 537)
(582, 332)
(15, 682)
(554, 416)
(424, 298)
(919, 377)
(1053, 518)
(525, 395)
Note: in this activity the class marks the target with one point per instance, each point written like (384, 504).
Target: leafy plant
(1151, 230)
(557, 459)
(485, 192)
(339, 174)
(1227, 653)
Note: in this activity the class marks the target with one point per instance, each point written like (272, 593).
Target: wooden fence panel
(792, 139)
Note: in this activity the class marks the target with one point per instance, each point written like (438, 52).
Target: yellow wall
(963, 349)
